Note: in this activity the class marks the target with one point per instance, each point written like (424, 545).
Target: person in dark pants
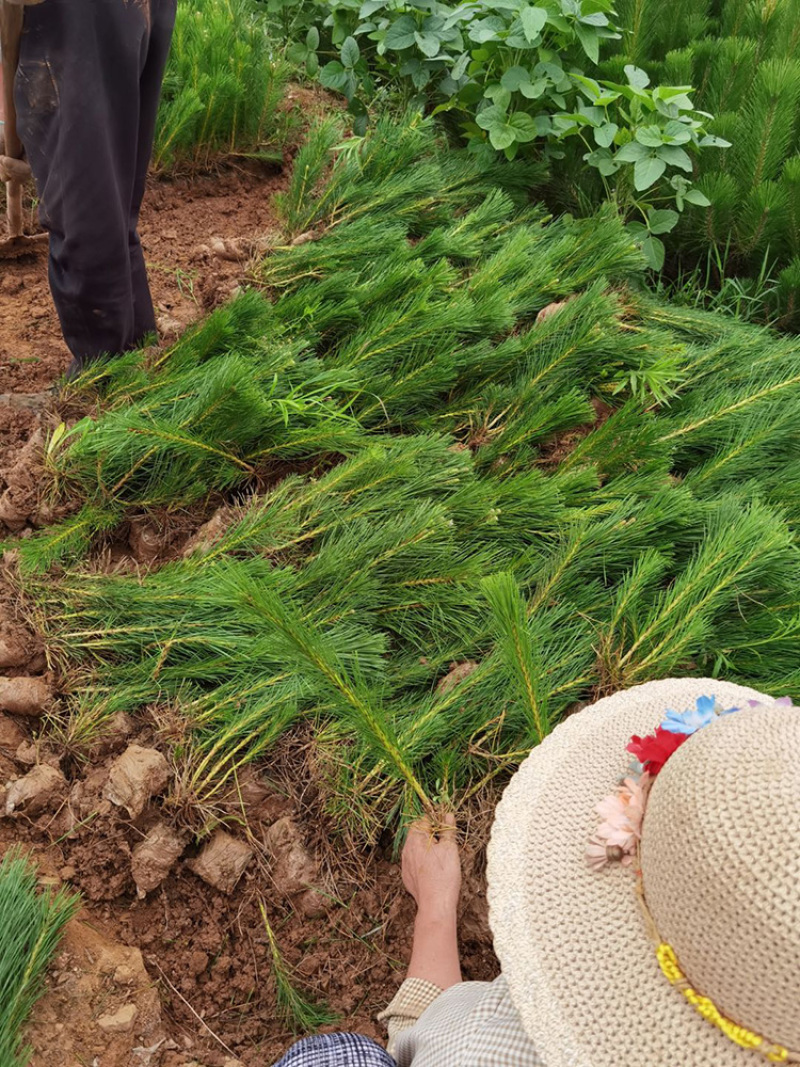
(86, 93)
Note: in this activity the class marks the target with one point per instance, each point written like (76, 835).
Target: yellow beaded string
(704, 1006)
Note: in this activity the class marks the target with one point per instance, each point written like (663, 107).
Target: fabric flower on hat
(654, 750)
(622, 813)
(688, 722)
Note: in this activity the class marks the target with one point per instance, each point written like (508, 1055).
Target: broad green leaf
(647, 171)
(650, 136)
(350, 53)
(631, 153)
(333, 75)
(312, 64)
(490, 116)
(523, 126)
(514, 77)
(677, 132)
(501, 137)
(589, 40)
(654, 252)
(662, 220)
(312, 39)
(604, 135)
(533, 90)
(428, 43)
(694, 196)
(486, 29)
(591, 87)
(711, 141)
(296, 52)
(675, 157)
(533, 21)
(603, 161)
(500, 96)
(401, 33)
(636, 77)
(460, 66)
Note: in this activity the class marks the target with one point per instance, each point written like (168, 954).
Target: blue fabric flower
(689, 722)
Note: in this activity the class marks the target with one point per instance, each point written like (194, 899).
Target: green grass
(224, 87)
(419, 474)
(31, 926)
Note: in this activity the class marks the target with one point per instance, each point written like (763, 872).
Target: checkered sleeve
(413, 997)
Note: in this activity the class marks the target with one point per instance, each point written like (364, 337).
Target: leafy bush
(512, 77)
(223, 86)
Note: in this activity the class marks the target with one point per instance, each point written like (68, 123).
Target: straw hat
(720, 870)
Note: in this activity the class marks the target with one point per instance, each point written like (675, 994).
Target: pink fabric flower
(622, 814)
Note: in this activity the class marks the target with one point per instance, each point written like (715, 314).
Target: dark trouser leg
(162, 24)
(87, 93)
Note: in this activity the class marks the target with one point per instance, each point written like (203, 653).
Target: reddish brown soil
(205, 953)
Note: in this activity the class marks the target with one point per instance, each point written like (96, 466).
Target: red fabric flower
(654, 750)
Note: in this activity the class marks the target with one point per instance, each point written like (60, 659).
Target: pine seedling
(223, 85)
(302, 1014)
(31, 927)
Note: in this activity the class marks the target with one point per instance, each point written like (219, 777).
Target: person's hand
(432, 867)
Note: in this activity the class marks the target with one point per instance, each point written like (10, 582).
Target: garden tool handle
(11, 16)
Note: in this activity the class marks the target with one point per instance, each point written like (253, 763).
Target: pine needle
(31, 926)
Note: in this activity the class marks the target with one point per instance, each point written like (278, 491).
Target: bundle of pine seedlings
(491, 517)
(224, 86)
(31, 927)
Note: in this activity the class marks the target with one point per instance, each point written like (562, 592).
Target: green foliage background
(742, 56)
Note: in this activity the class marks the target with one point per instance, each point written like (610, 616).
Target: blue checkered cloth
(336, 1050)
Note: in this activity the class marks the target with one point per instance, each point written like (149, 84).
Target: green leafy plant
(31, 926)
(514, 77)
(742, 56)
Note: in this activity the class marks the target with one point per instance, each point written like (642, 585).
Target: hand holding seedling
(432, 875)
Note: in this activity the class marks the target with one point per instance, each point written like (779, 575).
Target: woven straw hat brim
(572, 943)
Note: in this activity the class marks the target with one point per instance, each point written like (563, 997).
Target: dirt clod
(138, 774)
(120, 1021)
(38, 790)
(457, 673)
(146, 539)
(209, 533)
(154, 857)
(222, 862)
(20, 500)
(17, 647)
(11, 734)
(25, 696)
(295, 871)
(27, 753)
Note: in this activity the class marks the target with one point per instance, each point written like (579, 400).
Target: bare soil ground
(183, 975)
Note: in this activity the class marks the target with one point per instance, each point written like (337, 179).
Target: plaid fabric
(474, 1024)
(413, 997)
(336, 1050)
